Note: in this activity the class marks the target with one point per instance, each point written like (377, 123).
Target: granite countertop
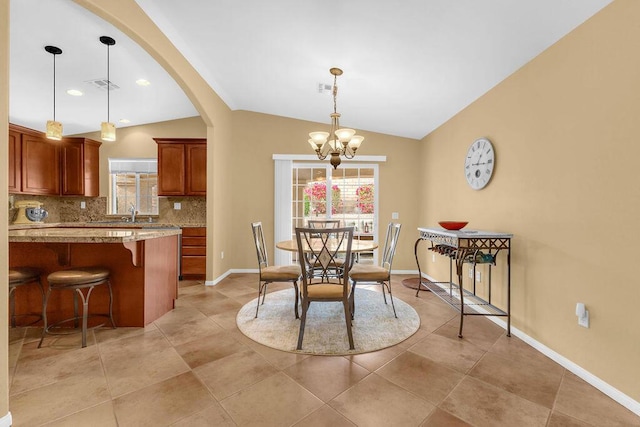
(102, 224)
(89, 235)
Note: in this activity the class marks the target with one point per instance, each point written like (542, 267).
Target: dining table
(357, 246)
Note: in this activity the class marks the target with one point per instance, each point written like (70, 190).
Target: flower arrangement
(365, 198)
(316, 193)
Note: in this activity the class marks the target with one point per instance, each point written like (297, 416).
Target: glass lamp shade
(319, 137)
(108, 131)
(314, 145)
(355, 141)
(335, 145)
(344, 135)
(54, 130)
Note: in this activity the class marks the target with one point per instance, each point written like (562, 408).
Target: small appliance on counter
(29, 211)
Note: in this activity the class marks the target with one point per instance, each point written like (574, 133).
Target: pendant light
(108, 129)
(54, 128)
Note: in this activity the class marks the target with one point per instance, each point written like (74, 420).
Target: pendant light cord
(54, 87)
(108, 84)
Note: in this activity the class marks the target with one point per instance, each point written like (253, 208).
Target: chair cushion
(23, 274)
(280, 272)
(362, 273)
(77, 276)
(325, 290)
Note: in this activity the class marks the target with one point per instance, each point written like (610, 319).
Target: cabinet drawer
(194, 231)
(194, 265)
(194, 250)
(194, 241)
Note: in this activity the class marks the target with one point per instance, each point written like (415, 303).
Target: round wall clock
(479, 163)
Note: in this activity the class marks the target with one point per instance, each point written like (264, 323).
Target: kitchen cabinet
(40, 172)
(193, 258)
(80, 167)
(182, 166)
(39, 166)
(15, 162)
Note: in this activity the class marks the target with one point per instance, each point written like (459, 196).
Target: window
(347, 193)
(133, 182)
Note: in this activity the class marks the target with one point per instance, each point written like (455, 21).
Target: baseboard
(6, 420)
(612, 392)
(228, 272)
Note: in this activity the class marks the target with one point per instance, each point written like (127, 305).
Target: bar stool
(78, 279)
(19, 276)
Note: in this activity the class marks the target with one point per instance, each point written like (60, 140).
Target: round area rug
(374, 326)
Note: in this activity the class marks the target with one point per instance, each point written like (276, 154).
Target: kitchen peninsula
(143, 264)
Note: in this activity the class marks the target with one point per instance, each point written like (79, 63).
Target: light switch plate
(395, 215)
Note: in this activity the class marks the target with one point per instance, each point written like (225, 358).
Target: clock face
(479, 163)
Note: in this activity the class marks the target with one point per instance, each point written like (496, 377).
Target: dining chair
(379, 274)
(272, 273)
(321, 224)
(324, 245)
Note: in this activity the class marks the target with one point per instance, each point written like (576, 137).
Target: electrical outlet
(395, 215)
(478, 276)
(433, 257)
(470, 273)
(83, 205)
(584, 319)
(222, 255)
(177, 206)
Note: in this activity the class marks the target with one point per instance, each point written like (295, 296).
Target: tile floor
(192, 367)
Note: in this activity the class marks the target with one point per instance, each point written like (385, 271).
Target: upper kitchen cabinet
(39, 166)
(182, 166)
(80, 167)
(15, 161)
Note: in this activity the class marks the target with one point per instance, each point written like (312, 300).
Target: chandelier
(338, 141)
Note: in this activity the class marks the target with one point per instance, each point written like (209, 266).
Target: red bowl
(453, 225)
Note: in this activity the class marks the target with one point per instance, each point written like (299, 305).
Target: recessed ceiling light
(124, 121)
(143, 82)
(74, 92)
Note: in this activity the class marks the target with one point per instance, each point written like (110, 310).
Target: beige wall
(256, 137)
(565, 129)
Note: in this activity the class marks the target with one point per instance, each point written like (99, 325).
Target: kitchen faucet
(132, 209)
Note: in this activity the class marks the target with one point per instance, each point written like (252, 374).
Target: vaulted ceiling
(408, 66)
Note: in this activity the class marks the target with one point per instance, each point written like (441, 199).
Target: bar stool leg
(12, 306)
(44, 316)
(113, 324)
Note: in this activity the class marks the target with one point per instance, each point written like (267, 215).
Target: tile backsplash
(67, 209)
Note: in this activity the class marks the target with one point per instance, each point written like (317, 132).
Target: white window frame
(283, 169)
(132, 165)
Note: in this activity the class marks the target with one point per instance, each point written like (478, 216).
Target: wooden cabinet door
(91, 168)
(72, 156)
(171, 169)
(15, 162)
(196, 169)
(193, 262)
(40, 165)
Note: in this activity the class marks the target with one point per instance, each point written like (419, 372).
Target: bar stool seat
(78, 279)
(19, 276)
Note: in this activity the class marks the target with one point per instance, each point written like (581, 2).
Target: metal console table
(466, 247)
